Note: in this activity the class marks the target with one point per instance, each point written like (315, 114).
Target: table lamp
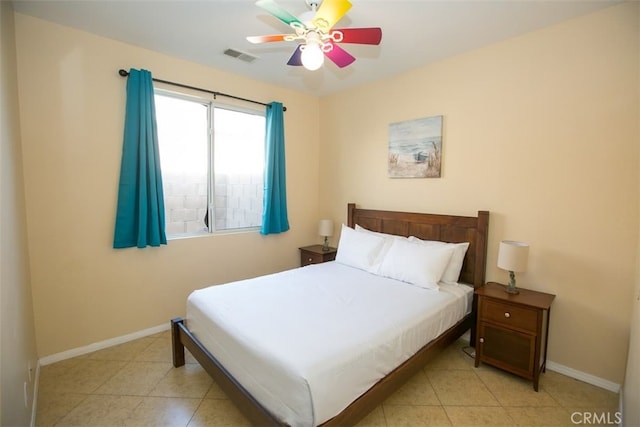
(325, 229)
(512, 256)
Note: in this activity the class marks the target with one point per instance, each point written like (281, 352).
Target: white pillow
(421, 265)
(388, 239)
(359, 250)
(452, 272)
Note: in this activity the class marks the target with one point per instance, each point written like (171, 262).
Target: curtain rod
(125, 73)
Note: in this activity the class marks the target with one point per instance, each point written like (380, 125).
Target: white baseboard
(34, 404)
(584, 377)
(74, 352)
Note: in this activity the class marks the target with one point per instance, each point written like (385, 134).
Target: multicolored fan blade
(296, 58)
(329, 13)
(278, 11)
(339, 56)
(267, 39)
(360, 35)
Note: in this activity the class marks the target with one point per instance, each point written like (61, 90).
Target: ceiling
(415, 33)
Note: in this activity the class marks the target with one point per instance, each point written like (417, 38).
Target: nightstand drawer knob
(310, 259)
(507, 315)
(481, 340)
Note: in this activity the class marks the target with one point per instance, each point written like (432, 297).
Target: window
(212, 180)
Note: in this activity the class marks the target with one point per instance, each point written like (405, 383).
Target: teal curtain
(274, 212)
(140, 214)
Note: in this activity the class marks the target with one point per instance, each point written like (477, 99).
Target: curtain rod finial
(123, 73)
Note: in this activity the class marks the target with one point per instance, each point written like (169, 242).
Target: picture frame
(415, 148)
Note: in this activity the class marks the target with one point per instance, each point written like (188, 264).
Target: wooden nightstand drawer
(311, 258)
(509, 315)
(315, 255)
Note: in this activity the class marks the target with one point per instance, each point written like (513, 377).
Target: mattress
(307, 342)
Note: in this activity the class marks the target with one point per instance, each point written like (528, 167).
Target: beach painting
(415, 148)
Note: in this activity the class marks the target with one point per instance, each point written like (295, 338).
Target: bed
(318, 378)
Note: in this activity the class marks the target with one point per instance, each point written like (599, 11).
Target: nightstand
(315, 255)
(512, 330)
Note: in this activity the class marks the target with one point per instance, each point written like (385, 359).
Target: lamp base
(511, 287)
(325, 245)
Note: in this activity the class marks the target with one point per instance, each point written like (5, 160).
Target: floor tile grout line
(556, 400)
(434, 391)
(196, 410)
(497, 400)
(56, 422)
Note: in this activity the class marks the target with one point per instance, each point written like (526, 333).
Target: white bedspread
(307, 342)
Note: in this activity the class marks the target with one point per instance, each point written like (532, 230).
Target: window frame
(211, 103)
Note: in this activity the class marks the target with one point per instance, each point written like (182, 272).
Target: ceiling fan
(315, 33)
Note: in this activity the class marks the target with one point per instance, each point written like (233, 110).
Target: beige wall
(72, 109)
(18, 343)
(631, 389)
(541, 130)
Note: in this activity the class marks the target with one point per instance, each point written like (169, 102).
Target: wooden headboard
(446, 228)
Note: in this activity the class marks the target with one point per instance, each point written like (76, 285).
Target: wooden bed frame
(448, 228)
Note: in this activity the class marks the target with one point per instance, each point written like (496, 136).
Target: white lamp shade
(325, 228)
(513, 256)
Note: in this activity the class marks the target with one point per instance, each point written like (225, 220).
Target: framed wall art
(415, 148)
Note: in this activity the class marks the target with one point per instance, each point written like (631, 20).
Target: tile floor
(135, 384)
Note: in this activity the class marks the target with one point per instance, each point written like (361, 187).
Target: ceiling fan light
(312, 56)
